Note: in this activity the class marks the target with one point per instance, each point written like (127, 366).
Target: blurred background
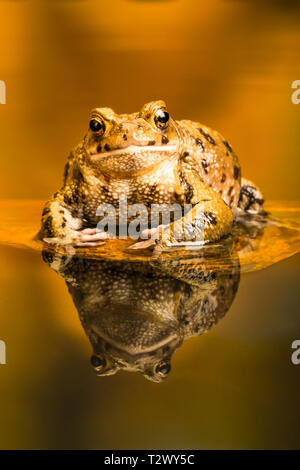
(229, 64)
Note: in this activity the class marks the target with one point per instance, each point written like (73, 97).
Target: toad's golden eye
(161, 119)
(163, 368)
(97, 126)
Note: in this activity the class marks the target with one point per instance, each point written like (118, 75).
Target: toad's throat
(137, 149)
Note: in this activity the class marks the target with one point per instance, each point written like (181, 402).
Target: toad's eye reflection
(98, 362)
(163, 368)
(137, 314)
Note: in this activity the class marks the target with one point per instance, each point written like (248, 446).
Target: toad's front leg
(208, 220)
(62, 224)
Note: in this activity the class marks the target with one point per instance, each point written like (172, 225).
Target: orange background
(228, 64)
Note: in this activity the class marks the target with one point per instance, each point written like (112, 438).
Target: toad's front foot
(79, 238)
(207, 221)
(152, 234)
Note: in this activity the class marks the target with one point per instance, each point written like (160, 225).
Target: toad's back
(214, 159)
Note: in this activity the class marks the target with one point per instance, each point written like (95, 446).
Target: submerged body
(149, 158)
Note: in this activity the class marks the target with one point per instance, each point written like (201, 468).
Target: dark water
(227, 336)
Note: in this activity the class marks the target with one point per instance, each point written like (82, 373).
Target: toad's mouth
(133, 150)
(136, 350)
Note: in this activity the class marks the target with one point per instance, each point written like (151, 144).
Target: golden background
(228, 64)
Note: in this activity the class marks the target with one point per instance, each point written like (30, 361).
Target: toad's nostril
(151, 142)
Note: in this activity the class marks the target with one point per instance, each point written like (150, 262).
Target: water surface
(227, 335)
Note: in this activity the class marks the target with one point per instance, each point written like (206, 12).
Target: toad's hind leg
(251, 199)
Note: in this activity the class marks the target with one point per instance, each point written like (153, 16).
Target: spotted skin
(149, 158)
(217, 165)
(251, 199)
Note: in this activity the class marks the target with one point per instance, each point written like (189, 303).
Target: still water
(113, 350)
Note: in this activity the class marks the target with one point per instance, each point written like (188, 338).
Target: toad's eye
(98, 361)
(97, 126)
(162, 119)
(163, 368)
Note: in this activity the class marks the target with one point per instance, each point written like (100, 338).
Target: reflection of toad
(137, 314)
